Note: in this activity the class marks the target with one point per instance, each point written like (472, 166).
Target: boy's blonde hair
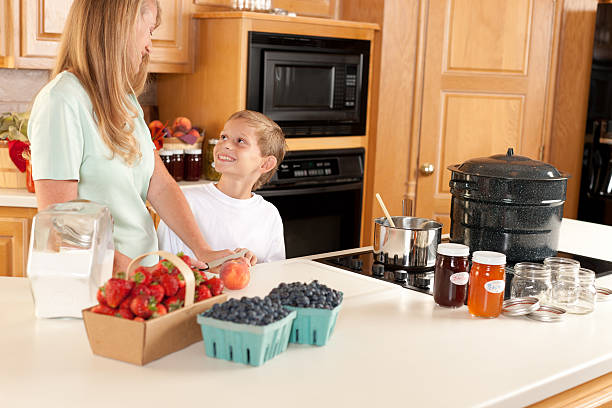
(270, 139)
(97, 47)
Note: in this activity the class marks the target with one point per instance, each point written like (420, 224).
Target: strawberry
(143, 306)
(200, 276)
(141, 275)
(125, 313)
(170, 284)
(116, 290)
(160, 310)
(159, 270)
(103, 309)
(100, 296)
(173, 303)
(126, 302)
(169, 265)
(202, 292)
(185, 258)
(157, 291)
(140, 289)
(215, 285)
(181, 293)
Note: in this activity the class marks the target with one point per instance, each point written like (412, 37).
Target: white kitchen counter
(390, 347)
(16, 197)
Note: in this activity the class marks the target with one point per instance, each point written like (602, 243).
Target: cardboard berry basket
(142, 342)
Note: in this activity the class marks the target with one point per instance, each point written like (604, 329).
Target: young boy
(228, 213)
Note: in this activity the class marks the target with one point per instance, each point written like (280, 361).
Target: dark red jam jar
(193, 164)
(451, 275)
(178, 164)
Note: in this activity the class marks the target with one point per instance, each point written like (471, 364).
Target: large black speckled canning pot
(509, 204)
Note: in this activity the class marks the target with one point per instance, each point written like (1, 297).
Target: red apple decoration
(235, 273)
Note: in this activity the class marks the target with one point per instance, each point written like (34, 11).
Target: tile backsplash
(18, 87)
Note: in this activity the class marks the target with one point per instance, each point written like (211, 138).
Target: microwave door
(310, 86)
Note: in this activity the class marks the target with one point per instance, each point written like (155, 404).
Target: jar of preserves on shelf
(178, 164)
(209, 161)
(166, 158)
(193, 164)
(532, 279)
(451, 275)
(487, 284)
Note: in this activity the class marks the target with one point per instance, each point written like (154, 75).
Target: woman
(88, 135)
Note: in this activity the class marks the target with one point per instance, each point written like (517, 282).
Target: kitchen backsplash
(18, 87)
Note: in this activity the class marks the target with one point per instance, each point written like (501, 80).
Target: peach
(194, 132)
(178, 133)
(235, 273)
(181, 124)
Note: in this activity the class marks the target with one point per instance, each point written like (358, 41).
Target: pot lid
(509, 166)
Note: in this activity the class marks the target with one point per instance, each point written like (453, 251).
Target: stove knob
(400, 275)
(356, 264)
(378, 269)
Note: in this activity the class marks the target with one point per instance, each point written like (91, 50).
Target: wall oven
(318, 194)
(310, 86)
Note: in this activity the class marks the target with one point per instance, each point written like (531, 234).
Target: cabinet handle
(427, 169)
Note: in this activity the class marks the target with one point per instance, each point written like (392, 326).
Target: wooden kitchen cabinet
(312, 8)
(5, 35)
(15, 227)
(38, 24)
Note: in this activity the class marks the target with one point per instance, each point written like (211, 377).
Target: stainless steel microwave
(310, 86)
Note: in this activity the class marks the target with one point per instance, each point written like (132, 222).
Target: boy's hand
(208, 256)
(249, 256)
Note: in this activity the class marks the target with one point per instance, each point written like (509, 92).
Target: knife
(220, 261)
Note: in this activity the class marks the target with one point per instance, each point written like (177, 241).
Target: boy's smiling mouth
(225, 158)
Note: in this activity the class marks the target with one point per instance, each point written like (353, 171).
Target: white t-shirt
(230, 223)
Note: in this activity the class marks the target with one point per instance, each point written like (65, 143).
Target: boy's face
(237, 151)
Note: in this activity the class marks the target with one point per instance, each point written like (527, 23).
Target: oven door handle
(311, 190)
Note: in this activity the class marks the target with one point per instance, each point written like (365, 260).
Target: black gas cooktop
(421, 279)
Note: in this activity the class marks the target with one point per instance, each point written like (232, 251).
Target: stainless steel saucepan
(412, 243)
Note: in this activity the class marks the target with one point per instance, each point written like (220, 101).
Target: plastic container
(245, 343)
(71, 255)
(313, 326)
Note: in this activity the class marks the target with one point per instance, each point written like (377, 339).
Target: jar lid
(452, 249)
(489, 258)
(165, 152)
(509, 166)
(178, 151)
(547, 313)
(520, 306)
(193, 151)
(213, 141)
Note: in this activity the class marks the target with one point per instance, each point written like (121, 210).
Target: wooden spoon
(382, 205)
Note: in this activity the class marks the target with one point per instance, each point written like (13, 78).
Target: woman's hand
(207, 256)
(249, 256)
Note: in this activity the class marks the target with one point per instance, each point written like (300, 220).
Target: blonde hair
(270, 139)
(96, 47)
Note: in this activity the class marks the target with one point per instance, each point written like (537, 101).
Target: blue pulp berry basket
(313, 326)
(245, 343)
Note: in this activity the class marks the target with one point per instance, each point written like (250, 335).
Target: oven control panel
(308, 168)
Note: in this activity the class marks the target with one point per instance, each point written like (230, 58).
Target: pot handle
(178, 263)
(407, 207)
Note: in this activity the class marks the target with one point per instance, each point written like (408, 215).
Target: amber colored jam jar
(487, 284)
(166, 158)
(193, 164)
(451, 275)
(178, 164)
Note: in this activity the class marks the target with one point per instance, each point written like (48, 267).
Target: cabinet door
(5, 34)
(15, 226)
(42, 23)
(315, 8)
(485, 88)
(171, 39)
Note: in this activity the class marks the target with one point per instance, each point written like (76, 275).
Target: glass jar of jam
(209, 161)
(487, 284)
(166, 158)
(193, 164)
(178, 164)
(451, 275)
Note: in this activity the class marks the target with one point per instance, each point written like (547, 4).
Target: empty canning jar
(587, 292)
(532, 279)
(556, 263)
